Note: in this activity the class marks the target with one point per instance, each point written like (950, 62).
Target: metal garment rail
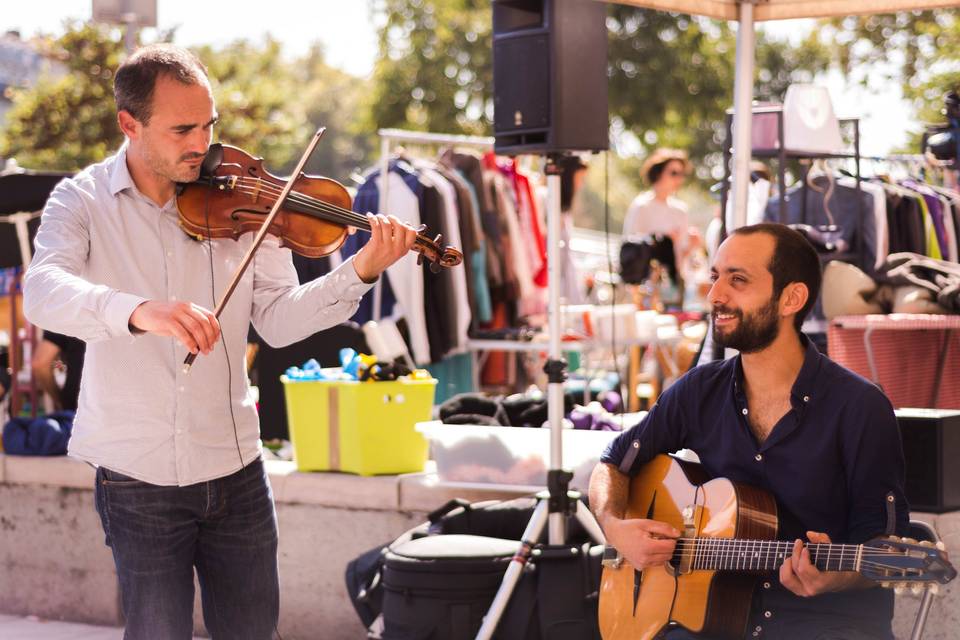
(390, 137)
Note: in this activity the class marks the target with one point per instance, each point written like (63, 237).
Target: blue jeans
(226, 528)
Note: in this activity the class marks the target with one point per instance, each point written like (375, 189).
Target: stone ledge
(332, 489)
(58, 471)
(424, 492)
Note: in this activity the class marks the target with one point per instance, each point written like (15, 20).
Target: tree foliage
(670, 75)
(268, 106)
(68, 121)
(434, 70)
(919, 49)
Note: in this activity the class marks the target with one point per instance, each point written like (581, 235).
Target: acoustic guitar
(728, 541)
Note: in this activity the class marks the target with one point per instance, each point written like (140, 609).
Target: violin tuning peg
(419, 259)
(421, 228)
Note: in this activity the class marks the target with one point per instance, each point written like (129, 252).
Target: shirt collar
(803, 387)
(120, 177)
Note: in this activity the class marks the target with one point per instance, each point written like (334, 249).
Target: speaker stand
(556, 504)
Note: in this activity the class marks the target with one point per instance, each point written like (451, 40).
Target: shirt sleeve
(663, 430)
(55, 296)
(873, 457)
(285, 311)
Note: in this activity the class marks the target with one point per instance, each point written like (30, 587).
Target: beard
(754, 331)
(172, 170)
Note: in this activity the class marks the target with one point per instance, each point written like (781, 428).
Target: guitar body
(714, 603)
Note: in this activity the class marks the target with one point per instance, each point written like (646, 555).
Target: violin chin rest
(212, 161)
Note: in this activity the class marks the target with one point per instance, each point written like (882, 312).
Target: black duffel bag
(440, 587)
(437, 581)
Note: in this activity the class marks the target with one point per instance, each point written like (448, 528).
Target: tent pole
(742, 115)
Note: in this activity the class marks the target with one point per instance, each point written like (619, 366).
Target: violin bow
(261, 234)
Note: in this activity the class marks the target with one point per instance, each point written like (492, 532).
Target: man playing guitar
(782, 417)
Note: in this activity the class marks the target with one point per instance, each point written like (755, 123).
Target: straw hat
(662, 156)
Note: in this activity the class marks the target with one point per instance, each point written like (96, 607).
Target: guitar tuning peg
(908, 540)
(917, 588)
(899, 588)
(925, 543)
(886, 584)
(934, 588)
(940, 546)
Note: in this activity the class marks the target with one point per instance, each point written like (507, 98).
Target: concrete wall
(53, 563)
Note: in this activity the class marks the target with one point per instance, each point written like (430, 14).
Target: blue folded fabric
(44, 436)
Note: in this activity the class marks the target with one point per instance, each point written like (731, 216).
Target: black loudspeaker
(931, 447)
(549, 76)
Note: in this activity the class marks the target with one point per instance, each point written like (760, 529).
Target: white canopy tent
(747, 13)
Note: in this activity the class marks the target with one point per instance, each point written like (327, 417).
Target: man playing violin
(179, 482)
(782, 417)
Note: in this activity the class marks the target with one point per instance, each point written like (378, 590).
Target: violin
(234, 194)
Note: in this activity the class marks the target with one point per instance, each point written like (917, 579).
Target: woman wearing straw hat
(659, 211)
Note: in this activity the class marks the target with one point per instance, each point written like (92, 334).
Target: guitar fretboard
(719, 554)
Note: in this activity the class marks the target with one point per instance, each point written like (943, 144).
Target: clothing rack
(390, 137)
(782, 154)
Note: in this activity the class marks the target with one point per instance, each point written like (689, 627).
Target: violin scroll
(435, 253)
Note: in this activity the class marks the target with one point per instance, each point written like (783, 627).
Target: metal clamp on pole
(556, 370)
(558, 486)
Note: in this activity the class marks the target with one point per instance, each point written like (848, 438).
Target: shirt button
(744, 412)
(766, 585)
(758, 457)
(767, 614)
(806, 398)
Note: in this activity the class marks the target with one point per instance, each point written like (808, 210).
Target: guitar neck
(731, 554)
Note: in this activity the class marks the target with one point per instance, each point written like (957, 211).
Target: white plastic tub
(511, 455)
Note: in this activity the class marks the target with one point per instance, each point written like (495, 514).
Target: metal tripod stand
(558, 502)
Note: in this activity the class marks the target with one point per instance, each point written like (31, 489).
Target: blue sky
(346, 29)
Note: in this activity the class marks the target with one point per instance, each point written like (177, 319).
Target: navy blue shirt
(830, 462)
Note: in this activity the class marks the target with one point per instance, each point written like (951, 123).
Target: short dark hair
(794, 260)
(137, 76)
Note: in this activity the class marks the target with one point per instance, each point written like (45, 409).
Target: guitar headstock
(903, 562)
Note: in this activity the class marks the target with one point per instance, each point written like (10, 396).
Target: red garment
(527, 205)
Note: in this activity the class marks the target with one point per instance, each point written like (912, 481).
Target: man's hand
(390, 240)
(644, 543)
(195, 327)
(800, 576)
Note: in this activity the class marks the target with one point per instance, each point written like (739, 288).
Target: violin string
(271, 189)
(336, 214)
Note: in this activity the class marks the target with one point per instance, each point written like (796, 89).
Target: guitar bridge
(691, 514)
